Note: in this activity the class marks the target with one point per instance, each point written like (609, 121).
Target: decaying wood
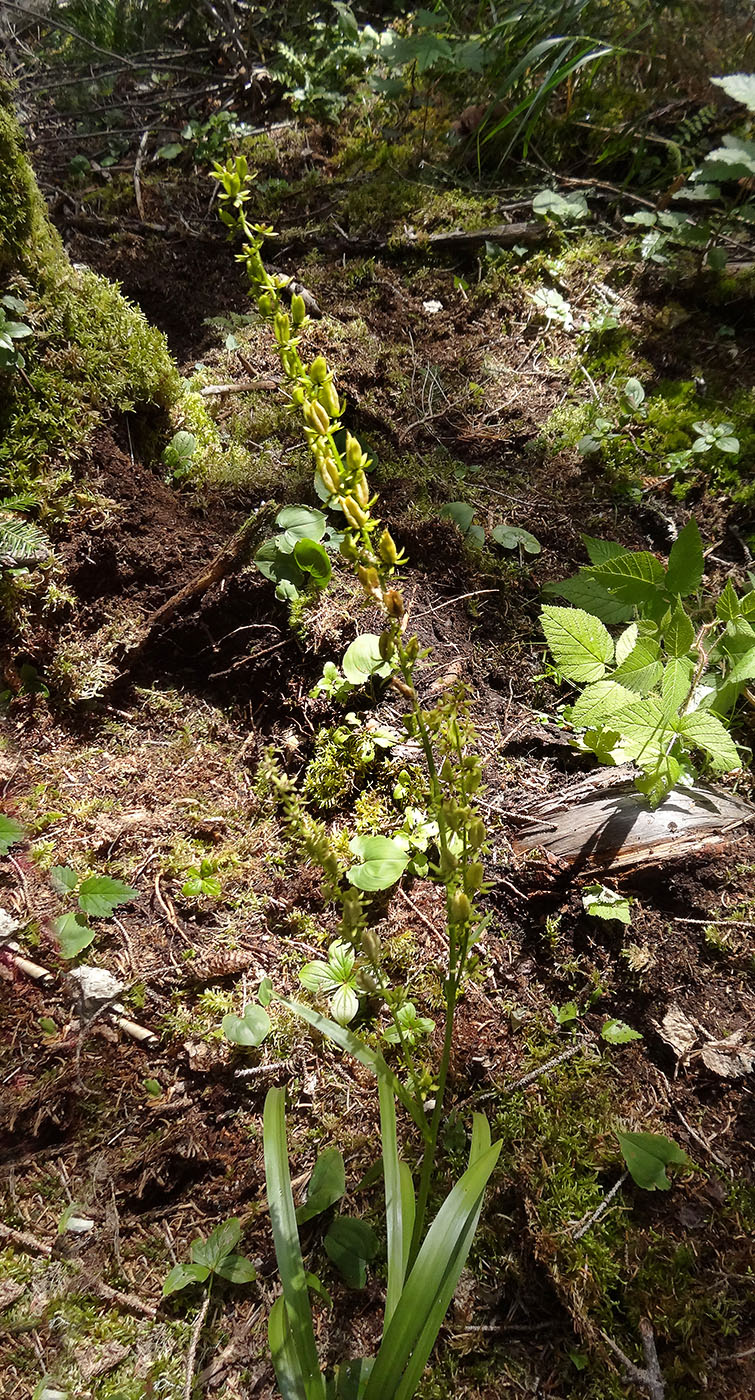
(227, 561)
(456, 241)
(605, 824)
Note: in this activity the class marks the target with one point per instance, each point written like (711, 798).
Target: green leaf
(597, 702)
(686, 562)
(743, 669)
(511, 536)
(618, 1033)
(657, 780)
(292, 1340)
(626, 642)
(399, 1201)
(313, 560)
(327, 1185)
(580, 644)
(182, 1276)
(647, 1155)
(679, 634)
(634, 393)
(344, 1004)
(740, 87)
(63, 879)
(632, 578)
(73, 932)
(645, 730)
(301, 523)
(236, 1269)
(11, 832)
(642, 669)
(728, 607)
(219, 1243)
(351, 1244)
(383, 862)
(265, 993)
(702, 729)
(362, 659)
(463, 516)
(675, 684)
(585, 592)
(604, 903)
(568, 208)
(99, 895)
(248, 1030)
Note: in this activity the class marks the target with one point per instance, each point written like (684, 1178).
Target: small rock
(95, 985)
(8, 925)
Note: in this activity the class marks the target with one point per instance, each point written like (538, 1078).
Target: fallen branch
(192, 1357)
(456, 241)
(649, 1378)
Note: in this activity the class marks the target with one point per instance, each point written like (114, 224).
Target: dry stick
(226, 561)
(459, 240)
(24, 1240)
(31, 1245)
(720, 923)
(45, 21)
(534, 1074)
(605, 1203)
(192, 1357)
(241, 387)
(650, 1377)
(138, 170)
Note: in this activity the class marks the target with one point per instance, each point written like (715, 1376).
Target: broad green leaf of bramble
(11, 832)
(63, 879)
(740, 87)
(686, 562)
(647, 1155)
(704, 731)
(632, 578)
(99, 895)
(73, 932)
(598, 702)
(582, 647)
(728, 607)
(600, 550)
(657, 780)
(618, 1033)
(605, 903)
(645, 731)
(679, 633)
(583, 591)
(626, 643)
(743, 669)
(642, 669)
(675, 683)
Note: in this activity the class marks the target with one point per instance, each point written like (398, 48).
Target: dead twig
(648, 1378)
(601, 1209)
(191, 1360)
(24, 1240)
(137, 172)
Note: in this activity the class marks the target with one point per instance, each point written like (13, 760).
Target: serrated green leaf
(632, 578)
(581, 646)
(645, 730)
(73, 932)
(740, 87)
(642, 669)
(647, 1155)
(626, 642)
(605, 903)
(686, 562)
(728, 606)
(99, 895)
(63, 879)
(744, 668)
(702, 729)
(747, 604)
(585, 592)
(11, 832)
(679, 633)
(675, 683)
(658, 779)
(618, 1033)
(599, 701)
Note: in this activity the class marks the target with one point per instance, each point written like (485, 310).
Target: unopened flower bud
(387, 549)
(318, 370)
(360, 490)
(371, 944)
(475, 875)
(266, 304)
(393, 603)
(329, 475)
(461, 909)
(354, 453)
(368, 577)
(354, 513)
(316, 416)
(282, 327)
(298, 309)
(476, 832)
(328, 396)
(386, 645)
(297, 396)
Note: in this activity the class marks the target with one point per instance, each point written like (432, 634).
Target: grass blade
(298, 1350)
(288, 1373)
(397, 1199)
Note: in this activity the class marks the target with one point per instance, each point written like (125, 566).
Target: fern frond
(22, 543)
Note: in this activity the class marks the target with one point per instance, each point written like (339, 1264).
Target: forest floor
(149, 769)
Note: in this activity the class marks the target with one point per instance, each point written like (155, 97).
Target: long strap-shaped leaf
(399, 1201)
(292, 1338)
(441, 1257)
(371, 1059)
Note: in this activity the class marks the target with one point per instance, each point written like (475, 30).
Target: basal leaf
(301, 523)
(605, 903)
(598, 701)
(580, 644)
(702, 729)
(327, 1185)
(647, 1155)
(182, 1276)
(351, 1244)
(219, 1243)
(247, 1030)
(11, 832)
(312, 559)
(632, 578)
(99, 895)
(511, 536)
(362, 659)
(686, 563)
(383, 862)
(236, 1269)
